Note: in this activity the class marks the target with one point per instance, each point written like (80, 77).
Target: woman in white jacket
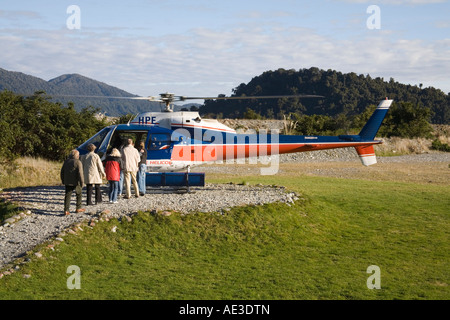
(93, 174)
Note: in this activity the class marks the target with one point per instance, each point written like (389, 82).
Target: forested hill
(344, 93)
(76, 85)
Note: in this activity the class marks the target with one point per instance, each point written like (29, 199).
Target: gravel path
(349, 154)
(43, 216)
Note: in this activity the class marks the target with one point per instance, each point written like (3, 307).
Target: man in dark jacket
(73, 178)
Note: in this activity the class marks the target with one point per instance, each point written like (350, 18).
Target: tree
(348, 94)
(250, 114)
(34, 126)
(407, 121)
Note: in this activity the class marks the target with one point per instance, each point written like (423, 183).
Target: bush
(35, 126)
(251, 114)
(439, 146)
(407, 121)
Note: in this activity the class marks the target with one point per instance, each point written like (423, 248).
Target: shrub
(438, 145)
(35, 126)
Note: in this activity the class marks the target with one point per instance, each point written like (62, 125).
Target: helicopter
(179, 141)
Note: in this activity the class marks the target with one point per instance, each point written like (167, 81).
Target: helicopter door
(104, 145)
(120, 137)
(98, 140)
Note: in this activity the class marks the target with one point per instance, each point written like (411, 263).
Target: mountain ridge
(344, 95)
(76, 85)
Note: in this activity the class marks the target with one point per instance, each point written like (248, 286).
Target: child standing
(113, 166)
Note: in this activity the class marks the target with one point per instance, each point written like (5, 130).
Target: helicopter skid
(175, 179)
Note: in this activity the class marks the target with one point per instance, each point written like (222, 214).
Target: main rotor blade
(103, 97)
(183, 98)
(251, 97)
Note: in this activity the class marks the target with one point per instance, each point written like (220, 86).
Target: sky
(209, 47)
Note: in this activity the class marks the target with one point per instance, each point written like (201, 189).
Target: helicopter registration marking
(147, 120)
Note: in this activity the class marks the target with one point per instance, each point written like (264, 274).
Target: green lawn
(319, 248)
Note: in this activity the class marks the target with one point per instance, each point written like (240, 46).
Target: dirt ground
(430, 172)
(433, 169)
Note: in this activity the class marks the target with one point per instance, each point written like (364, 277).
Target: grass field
(29, 171)
(319, 248)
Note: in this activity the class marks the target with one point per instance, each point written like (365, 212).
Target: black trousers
(98, 194)
(68, 196)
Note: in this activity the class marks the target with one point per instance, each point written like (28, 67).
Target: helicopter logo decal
(147, 120)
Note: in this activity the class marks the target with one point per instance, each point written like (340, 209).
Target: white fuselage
(182, 119)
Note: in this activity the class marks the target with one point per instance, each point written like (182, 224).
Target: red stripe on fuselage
(215, 152)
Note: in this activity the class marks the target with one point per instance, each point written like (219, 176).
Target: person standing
(142, 168)
(72, 178)
(120, 148)
(93, 174)
(113, 168)
(131, 158)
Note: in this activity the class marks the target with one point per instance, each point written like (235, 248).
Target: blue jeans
(121, 183)
(141, 178)
(113, 190)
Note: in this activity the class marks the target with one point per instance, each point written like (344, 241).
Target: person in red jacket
(113, 166)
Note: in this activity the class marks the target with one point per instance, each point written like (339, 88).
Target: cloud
(19, 14)
(19, 18)
(442, 24)
(207, 61)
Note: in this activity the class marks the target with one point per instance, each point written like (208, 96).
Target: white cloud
(12, 15)
(209, 62)
(442, 24)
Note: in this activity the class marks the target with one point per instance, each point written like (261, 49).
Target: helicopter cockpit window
(159, 141)
(97, 139)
